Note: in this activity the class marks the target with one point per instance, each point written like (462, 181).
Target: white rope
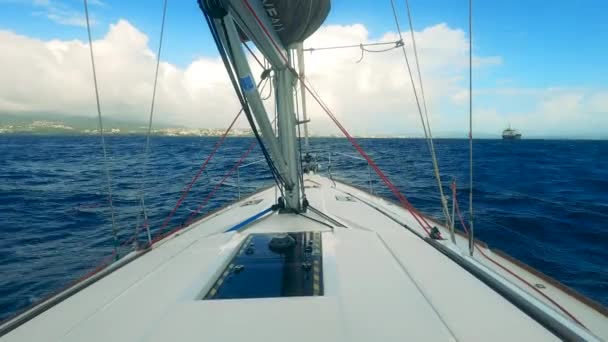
(427, 130)
(471, 236)
(106, 167)
(150, 119)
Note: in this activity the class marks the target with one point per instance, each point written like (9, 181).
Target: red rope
(505, 268)
(219, 184)
(276, 46)
(198, 174)
(108, 260)
(458, 208)
(400, 196)
(209, 196)
(253, 54)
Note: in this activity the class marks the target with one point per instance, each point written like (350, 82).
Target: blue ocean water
(543, 202)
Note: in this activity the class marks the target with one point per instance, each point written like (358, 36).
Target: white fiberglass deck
(381, 282)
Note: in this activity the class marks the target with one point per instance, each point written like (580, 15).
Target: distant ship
(511, 134)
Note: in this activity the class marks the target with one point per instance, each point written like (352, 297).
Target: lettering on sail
(271, 10)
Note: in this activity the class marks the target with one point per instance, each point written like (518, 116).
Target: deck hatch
(273, 265)
(344, 198)
(251, 202)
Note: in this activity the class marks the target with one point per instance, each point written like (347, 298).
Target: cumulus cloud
(373, 96)
(546, 112)
(55, 76)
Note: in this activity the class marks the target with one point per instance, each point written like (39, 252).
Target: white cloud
(561, 105)
(375, 95)
(570, 112)
(55, 76)
(66, 18)
(370, 97)
(598, 102)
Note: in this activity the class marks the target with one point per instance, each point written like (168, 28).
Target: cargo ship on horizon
(511, 134)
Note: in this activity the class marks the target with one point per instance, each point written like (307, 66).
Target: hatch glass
(273, 265)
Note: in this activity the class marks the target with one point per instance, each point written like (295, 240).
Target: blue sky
(566, 42)
(542, 44)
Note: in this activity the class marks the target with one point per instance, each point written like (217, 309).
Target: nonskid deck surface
(375, 281)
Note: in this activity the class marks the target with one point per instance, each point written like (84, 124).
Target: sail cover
(296, 20)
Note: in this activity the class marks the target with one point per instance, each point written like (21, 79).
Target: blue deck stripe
(249, 220)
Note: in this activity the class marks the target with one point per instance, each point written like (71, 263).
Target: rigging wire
(407, 63)
(253, 54)
(198, 174)
(400, 196)
(395, 45)
(472, 236)
(149, 132)
(138, 225)
(106, 167)
(425, 124)
(317, 221)
(411, 25)
(203, 166)
(219, 184)
(428, 122)
(480, 250)
(404, 201)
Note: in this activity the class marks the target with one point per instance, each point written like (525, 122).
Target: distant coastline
(242, 135)
(78, 126)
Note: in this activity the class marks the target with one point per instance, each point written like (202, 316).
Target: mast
(287, 132)
(273, 26)
(302, 71)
